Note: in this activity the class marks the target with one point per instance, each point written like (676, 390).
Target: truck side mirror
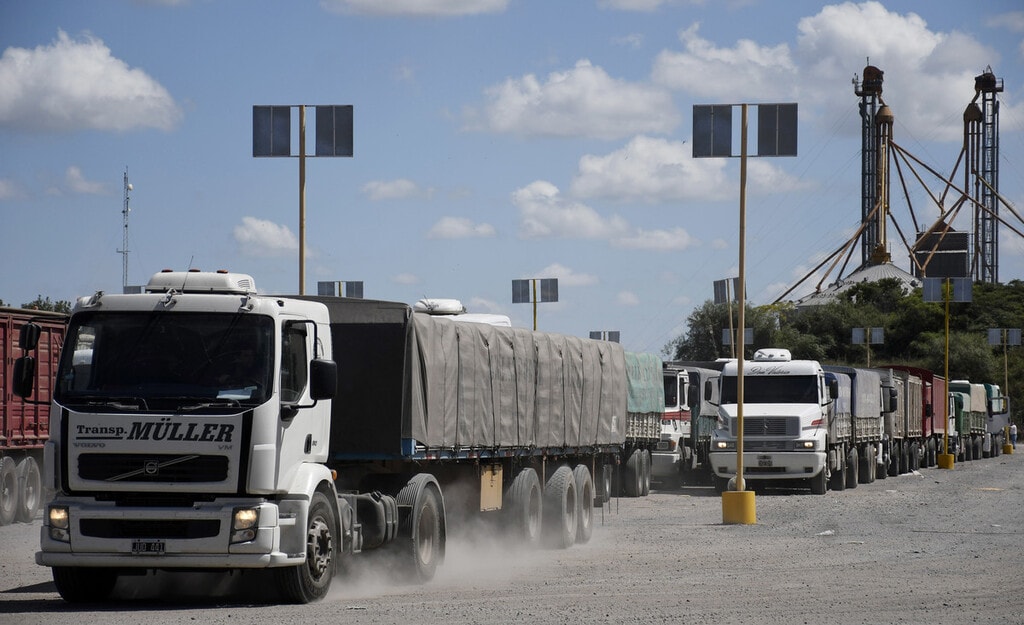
(323, 379)
(24, 376)
(892, 405)
(833, 388)
(28, 339)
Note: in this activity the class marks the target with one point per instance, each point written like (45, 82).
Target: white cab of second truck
(785, 421)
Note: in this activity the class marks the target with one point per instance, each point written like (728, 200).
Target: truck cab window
(294, 362)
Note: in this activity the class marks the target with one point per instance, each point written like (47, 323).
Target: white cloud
(732, 74)
(398, 189)
(581, 102)
(566, 276)
(406, 278)
(459, 228)
(9, 190)
(416, 8)
(658, 240)
(632, 40)
(482, 305)
(78, 184)
(77, 84)
(1012, 21)
(545, 213)
(261, 237)
(651, 170)
(764, 178)
(627, 298)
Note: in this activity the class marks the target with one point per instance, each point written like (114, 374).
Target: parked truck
(199, 425)
(867, 406)
(785, 426)
(998, 410)
(25, 423)
(903, 426)
(972, 418)
(683, 452)
(934, 401)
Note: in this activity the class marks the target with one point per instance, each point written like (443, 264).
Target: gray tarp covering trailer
(866, 406)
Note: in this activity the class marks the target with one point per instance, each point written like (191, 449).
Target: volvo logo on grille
(151, 467)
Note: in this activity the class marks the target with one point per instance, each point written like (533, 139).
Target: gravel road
(936, 546)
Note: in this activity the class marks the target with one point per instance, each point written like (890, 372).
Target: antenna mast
(124, 240)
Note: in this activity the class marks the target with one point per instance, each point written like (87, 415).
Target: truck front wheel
(819, 483)
(310, 581)
(84, 585)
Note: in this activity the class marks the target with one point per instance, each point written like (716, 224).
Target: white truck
(691, 415)
(199, 425)
(785, 421)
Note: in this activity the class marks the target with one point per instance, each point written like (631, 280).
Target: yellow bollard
(946, 461)
(738, 507)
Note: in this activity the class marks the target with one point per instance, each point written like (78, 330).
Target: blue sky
(494, 140)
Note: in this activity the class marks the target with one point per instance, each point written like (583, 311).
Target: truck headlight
(720, 445)
(243, 524)
(59, 521)
(805, 444)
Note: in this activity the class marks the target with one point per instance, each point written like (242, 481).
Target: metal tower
(124, 236)
(982, 136)
(870, 92)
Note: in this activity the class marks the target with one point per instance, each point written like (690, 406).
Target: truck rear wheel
(523, 507)
(421, 534)
(84, 585)
(560, 507)
(585, 498)
(31, 489)
(310, 580)
(645, 480)
(8, 490)
(852, 468)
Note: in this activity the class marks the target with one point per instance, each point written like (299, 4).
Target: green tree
(41, 303)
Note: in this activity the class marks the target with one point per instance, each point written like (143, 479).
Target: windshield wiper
(200, 403)
(108, 401)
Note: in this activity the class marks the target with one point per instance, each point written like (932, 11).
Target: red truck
(25, 423)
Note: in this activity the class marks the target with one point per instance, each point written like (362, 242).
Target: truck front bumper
(774, 466)
(199, 537)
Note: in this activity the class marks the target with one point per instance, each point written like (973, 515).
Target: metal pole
(945, 436)
(302, 199)
(534, 284)
(740, 483)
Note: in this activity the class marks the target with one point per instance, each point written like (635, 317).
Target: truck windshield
(173, 361)
(790, 389)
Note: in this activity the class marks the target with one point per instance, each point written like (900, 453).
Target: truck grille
(191, 468)
(771, 426)
(123, 528)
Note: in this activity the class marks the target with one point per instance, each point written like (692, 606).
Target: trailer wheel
(310, 580)
(978, 443)
(523, 508)
(31, 489)
(852, 464)
(631, 483)
(8, 490)
(585, 498)
(421, 533)
(84, 585)
(560, 507)
(645, 481)
(604, 473)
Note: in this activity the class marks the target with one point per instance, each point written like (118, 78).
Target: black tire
(606, 483)
(421, 542)
(819, 483)
(8, 490)
(915, 456)
(84, 585)
(645, 482)
(31, 489)
(864, 467)
(837, 481)
(523, 509)
(893, 465)
(560, 507)
(852, 468)
(311, 580)
(632, 475)
(585, 499)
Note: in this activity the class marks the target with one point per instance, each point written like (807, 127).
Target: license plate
(764, 461)
(148, 547)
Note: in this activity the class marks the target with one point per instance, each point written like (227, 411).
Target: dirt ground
(936, 546)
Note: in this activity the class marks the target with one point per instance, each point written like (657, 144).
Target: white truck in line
(785, 421)
(199, 425)
(691, 415)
